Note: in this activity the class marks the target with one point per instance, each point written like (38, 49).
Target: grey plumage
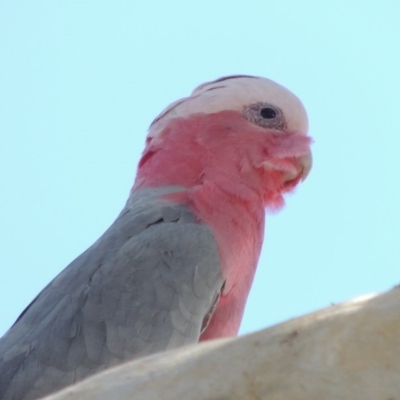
(147, 285)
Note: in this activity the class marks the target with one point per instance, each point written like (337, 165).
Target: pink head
(240, 131)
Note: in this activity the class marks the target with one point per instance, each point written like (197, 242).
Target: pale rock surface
(347, 351)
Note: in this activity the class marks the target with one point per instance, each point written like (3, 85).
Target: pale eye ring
(266, 115)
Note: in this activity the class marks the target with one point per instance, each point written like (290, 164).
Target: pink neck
(219, 159)
(219, 166)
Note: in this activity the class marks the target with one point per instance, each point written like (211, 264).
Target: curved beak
(298, 170)
(306, 163)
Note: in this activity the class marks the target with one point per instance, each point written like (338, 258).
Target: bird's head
(244, 128)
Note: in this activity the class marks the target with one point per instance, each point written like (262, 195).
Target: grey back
(147, 285)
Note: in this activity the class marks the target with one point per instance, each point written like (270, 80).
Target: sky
(80, 82)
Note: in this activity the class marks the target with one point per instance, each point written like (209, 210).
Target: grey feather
(147, 285)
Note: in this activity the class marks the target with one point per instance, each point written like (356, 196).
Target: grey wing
(145, 286)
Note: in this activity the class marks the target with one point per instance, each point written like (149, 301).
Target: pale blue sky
(80, 81)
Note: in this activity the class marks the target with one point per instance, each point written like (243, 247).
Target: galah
(177, 264)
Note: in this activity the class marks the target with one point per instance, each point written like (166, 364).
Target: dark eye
(264, 114)
(268, 113)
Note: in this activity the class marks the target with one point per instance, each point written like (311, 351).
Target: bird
(177, 264)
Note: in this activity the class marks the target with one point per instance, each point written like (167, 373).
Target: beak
(306, 163)
(299, 170)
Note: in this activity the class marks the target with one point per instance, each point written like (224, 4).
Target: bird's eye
(268, 113)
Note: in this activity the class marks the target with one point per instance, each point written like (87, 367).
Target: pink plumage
(231, 169)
